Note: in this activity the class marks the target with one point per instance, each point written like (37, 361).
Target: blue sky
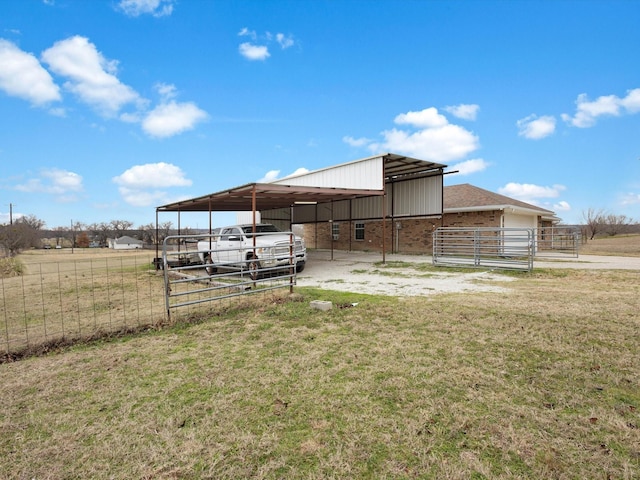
(111, 108)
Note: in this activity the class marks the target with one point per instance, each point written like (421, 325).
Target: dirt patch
(399, 276)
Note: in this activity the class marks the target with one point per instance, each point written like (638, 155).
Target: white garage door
(517, 241)
(509, 220)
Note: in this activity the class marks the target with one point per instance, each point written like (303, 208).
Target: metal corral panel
(364, 174)
(422, 196)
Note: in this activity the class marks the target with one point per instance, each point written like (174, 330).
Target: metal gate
(503, 248)
(190, 280)
(558, 241)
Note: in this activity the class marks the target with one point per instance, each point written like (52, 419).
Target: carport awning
(284, 193)
(264, 196)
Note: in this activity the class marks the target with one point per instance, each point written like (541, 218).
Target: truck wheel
(210, 269)
(299, 267)
(254, 267)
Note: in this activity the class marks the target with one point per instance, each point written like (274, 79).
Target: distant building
(124, 243)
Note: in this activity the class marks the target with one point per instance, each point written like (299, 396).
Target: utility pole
(11, 214)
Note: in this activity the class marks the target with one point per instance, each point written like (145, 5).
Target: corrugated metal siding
(367, 207)
(366, 174)
(276, 214)
(419, 197)
(422, 196)
(303, 214)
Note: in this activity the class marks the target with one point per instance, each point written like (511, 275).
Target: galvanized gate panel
(558, 241)
(190, 281)
(503, 248)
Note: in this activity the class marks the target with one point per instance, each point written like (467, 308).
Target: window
(335, 230)
(359, 231)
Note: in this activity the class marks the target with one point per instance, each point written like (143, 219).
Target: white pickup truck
(235, 247)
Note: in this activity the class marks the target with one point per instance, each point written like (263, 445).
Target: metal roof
(267, 196)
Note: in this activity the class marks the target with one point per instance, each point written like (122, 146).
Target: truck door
(230, 246)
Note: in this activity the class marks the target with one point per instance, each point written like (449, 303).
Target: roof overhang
(264, 196)
(505, 208)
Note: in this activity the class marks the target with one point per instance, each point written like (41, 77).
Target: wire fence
(70, 298)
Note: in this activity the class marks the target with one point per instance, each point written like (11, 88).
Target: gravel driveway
(357, 272)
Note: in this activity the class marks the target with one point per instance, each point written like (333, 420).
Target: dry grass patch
(63, 297)
(539, 383)
(622, 245)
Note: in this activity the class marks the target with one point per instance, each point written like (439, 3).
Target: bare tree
(148, 233)
(33, 221)
(594, 221)
(19, 236)
(100, 232)
(119, 227)
(616, 224)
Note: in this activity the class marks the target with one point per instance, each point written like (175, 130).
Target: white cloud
(587, 111)
(535, 128)
(157, 8)
(284, 40)
(58, 112)
(632, 101)
(254, 52)
(141, 185)
(432, 138)
(530, 193)
(143, 198)
(270, 176)
(561, 206)
(469, 166)
(171, 118)
(427, 118)
(152, 175)
(91, 77)
(245, 32)
(631, 199)
(449, 142)
(356, 142)
(21, 75)
(464, 111)
(273, 175)
(258, 48)
(299, 171)
(61, 183)
(166, 91)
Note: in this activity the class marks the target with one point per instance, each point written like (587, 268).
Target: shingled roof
(467, 197)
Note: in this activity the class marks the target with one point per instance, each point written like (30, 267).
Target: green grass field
(541, 382)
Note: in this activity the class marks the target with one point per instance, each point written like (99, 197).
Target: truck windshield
(260, 229)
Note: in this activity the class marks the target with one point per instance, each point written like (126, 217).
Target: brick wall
(489, 218)
(413, 236)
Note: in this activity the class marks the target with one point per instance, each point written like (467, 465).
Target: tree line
(29, 232)
(601, 222)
